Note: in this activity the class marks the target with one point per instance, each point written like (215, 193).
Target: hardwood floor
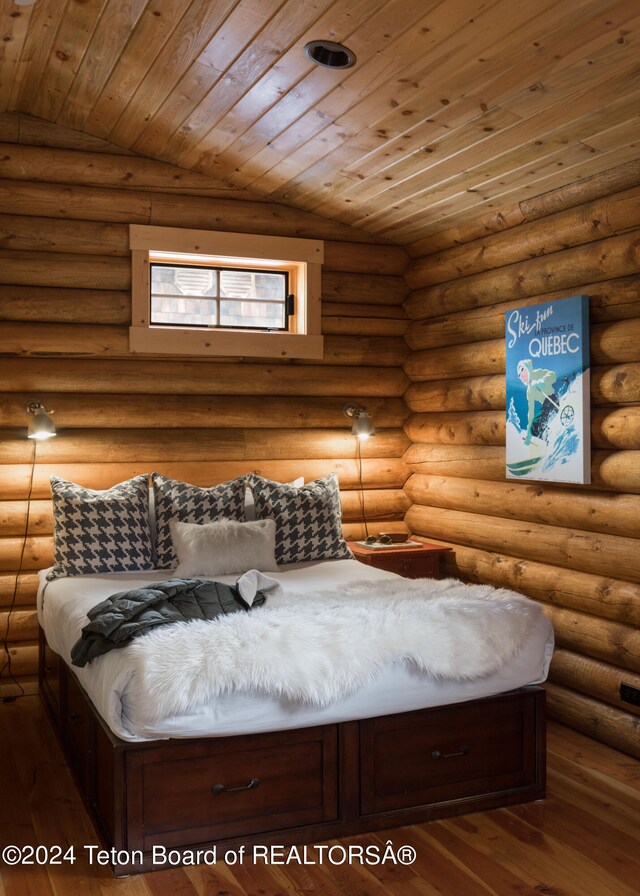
(584, 840)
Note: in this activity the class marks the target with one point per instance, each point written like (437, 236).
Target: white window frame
(302, 258)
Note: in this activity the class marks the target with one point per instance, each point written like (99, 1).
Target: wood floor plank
(583, 840)
(491, 874)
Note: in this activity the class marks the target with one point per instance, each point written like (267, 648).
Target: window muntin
(220, 297)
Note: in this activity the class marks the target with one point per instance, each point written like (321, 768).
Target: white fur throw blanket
(326, 645)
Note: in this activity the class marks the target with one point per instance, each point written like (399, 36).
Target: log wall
(575, 548)
(65, 277)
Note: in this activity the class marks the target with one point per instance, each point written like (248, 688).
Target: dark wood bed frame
(299, 786)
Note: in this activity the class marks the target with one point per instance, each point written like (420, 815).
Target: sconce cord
(364, 518)
(5, 639)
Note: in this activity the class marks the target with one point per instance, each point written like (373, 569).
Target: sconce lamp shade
(40, 426)
(362, 427)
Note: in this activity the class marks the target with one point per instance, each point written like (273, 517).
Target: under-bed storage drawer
(448, 754)
(237, 786)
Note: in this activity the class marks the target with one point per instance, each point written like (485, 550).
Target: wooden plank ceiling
(454, 108)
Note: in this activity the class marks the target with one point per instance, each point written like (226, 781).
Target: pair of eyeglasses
(379, 539)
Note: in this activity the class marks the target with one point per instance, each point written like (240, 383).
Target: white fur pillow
(223, 547)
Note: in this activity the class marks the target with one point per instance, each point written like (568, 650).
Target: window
(215, 293)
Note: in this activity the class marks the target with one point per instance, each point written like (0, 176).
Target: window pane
(182, 311)
(252, 285)
(183, 281)
(261, 315)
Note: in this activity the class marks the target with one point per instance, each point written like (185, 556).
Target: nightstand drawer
(410, 566)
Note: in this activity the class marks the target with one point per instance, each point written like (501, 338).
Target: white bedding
(62, 609)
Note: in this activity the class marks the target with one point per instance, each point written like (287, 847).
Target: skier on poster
(539, 385)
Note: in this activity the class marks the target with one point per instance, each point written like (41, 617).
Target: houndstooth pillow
(100, 531)
(187, 503)
(308, 518)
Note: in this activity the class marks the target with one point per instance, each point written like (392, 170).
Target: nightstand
(410, 562)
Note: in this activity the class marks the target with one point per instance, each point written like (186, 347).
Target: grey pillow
(308, 519)
(185, 503)
(100, 531)
(224, 547)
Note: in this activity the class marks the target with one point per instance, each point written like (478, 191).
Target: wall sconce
(362, 427)
(40, 426)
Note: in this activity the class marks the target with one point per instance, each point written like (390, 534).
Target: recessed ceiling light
(330, 54)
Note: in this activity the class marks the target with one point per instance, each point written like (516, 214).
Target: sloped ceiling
(454, 107)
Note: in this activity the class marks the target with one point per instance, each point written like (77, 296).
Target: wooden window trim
(302, 257)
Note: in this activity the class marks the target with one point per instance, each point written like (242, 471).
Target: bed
(376, 740)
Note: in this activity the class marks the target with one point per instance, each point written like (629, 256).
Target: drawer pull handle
(221, 788)
(438, 755)
(75, 718)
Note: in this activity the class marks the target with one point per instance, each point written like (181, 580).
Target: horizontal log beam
(13, 518)
(341, 309)
(66, 166)
(618, 428)
(362, 326)
(463, 428)
(197, 411)
(85, 340)
(610, 300)
(601, 184)
(66, 270)
(76, 202)
(384, 259)
(465, 461)
(617, 470)
(617, 256)
(42, 304)
(368, 289)
(610, 470)
(604, 555)
(615, 342)
(139, 376)
(596, 595)
(608, 513)
(146, 205)
(601, 218)
(478, 393)
(604, 723)
(25, 593)
(619, 384)
(261, 216)
(613, 642)
(593, 677)
(20, 625)
(32, 234)
(581, 191)
(376, 473)
(24, 662)
(107, 446)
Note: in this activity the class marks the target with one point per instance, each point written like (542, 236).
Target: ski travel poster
(548, 394)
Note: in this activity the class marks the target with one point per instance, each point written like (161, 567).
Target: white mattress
(62, 610)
